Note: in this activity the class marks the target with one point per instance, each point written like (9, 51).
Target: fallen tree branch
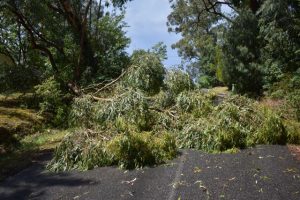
(111, 83)
(93, 86)
(98, 134)
(101, 99)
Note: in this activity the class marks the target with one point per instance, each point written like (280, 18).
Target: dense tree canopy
(74, 40)
(250, 43)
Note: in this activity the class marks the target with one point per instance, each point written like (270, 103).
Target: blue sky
(147, 26)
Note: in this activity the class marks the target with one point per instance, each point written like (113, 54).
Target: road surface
(264, 172)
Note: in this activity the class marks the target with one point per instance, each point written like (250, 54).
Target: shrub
(293, 102)
(52, 101)
(50, 93)
(205, 81)
(18, 77)
(293, 131)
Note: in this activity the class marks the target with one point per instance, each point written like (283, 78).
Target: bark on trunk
(79, 24)
(254, 5)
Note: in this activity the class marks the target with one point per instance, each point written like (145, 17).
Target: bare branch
(111, 83)
(211, 8)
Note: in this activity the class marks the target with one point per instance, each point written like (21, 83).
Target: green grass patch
(46, 140)
(219, 90)
(22, 155)
(19, 121)
(293, 128)
(21, 100)
(15, 123)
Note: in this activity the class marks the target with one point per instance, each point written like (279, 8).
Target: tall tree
(65, 31)
(279, 22)
(242, 55)
(250, 46)
(198, 23)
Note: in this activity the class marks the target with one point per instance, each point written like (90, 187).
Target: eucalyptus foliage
(177, 81)
(113, 129)
(236, 123)
(146, 72)
(86, 149)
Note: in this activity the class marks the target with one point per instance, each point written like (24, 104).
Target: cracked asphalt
(263, 172)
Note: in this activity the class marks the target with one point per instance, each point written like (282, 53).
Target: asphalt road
(264, 172)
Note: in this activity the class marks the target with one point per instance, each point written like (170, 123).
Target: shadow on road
(34, 181)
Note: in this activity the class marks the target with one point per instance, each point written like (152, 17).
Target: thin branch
(96, 85)
(56, 9)
(111, 83)
(34, 44)
(211, 8)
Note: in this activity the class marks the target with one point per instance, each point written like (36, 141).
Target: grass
(22, 100)
(219, 90)
(15, 123)
(17, 120)
(30, 146)
(47, 140)
(20, 141)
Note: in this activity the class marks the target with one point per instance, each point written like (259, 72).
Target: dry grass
(220, 90)
(274, 104)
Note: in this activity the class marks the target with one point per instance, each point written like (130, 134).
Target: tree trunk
(254, 5)
(78, 22)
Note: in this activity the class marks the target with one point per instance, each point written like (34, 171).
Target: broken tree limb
(111, 83)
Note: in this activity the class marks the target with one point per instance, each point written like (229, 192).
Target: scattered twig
(130, 182)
